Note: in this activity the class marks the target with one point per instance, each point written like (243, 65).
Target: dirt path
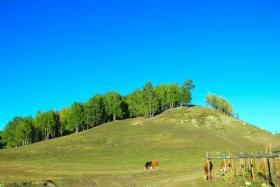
(177, 180)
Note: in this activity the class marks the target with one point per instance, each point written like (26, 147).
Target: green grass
(114, 154)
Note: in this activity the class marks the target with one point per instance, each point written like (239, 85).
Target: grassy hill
(114, 154)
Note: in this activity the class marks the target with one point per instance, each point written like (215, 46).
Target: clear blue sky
(55, 52)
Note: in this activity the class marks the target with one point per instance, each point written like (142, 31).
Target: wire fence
(260, 165)
(212, 156)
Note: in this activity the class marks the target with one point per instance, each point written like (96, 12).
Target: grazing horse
(151, 164)
(208, 166)
(154, 163)
(225, 167)
(148, 165)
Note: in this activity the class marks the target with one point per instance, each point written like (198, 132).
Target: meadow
(114, 154)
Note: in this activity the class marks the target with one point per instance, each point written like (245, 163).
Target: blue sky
(55, 52)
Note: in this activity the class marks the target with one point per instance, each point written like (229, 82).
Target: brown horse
(151, 164)
(225, 167)
(208, 166)
(154, 163)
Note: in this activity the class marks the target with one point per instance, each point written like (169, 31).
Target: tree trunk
(77, 129)
(150, 109)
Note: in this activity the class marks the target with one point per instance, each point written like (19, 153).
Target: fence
(260, 164)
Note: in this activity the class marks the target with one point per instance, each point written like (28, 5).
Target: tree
(64, 120)
(53, 123)
(185, 92)
(1, 140)
(209, 100)
(76, 117)
(9, 134)
(95, 111)
(151, 99)
(124, 107)
(47, 124)
(161, 92)
(219, 103)
(41, 125)
(172, 94)
(24, 131)
(100, 109)
(19, 131)
(136, 103)
(113, 102)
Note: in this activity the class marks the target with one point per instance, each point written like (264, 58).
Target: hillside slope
(114, 154)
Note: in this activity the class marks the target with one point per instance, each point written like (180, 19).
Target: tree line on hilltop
(101, 108)
(219, 103)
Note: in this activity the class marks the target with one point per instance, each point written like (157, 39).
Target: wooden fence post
(273, 167)
(275, 172)
(249, 162)
(269, 171)
(242, 165)
(252, 169)
(268, 167)
(209, 170)
(267, 164)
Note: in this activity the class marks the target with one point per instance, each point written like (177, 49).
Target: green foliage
(9, 134)
(124, 107)
(76, 117)
(97, 110)
(53, 123)
(151, 100)
(161, 92)
(185, 92)
(136, 103)
(47, 124)
(172, 95)
(19, 131)
(1, 140)
(219, 103)
(24, 131)
(40, 122)
(64, 120)
(113, 102)
(114, 154)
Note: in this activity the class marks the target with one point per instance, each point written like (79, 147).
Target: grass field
(114, 154)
